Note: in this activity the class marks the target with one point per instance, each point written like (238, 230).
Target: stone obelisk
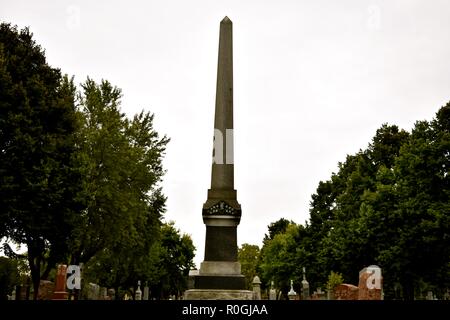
(220, 273)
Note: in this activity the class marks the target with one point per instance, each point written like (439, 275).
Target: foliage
(9, 276)
(80, 181)
(248, 255)
(38, 177)
(387, 205)
(122, 163)
(279, 261)
(277, 227)
(176, 254)
(334, 279)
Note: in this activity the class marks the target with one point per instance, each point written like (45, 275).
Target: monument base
(217, 294)
(222, 282)
(219, 275)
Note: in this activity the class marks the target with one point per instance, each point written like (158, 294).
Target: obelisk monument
(220, 273)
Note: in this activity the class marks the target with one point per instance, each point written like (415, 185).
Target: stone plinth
(219, 275)
(218, 294)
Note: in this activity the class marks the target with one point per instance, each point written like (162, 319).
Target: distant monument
(220, 276)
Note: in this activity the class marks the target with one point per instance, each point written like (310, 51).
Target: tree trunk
(47, 270)
(35, 269)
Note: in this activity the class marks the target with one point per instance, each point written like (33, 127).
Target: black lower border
(185, 309)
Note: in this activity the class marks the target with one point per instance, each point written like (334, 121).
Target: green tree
(277, 227)
(38, 176)
(386, 205)
(344, 243)
(122, 163)
(419, 255)
(382, 210)
(334, 279)
(9, 276)
(248, 255)
(176, 254)
(279, 261)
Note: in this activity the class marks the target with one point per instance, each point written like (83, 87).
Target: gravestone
(292, 295)
(46, 289)
(272, 292)
(138, 293)
(305, 286)
(370, 283)
(318, 294)
(93, 291)
(146, 292)
(60, 292)
(111, 294)
(22, 292)
(346, 292)
(256, 288)
(220, 273)
(103, 293)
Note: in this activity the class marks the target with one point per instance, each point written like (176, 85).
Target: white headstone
(103, 293)
(138, 293)
(146, 293)
(272, 292)
(292, 294)
(305, 286)
(256, 288)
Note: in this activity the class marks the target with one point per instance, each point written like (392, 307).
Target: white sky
(313, 80)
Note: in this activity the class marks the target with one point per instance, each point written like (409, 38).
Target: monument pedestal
(218, 280)
(219, 275)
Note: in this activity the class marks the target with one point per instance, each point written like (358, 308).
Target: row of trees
(387, 205)
(79, 180)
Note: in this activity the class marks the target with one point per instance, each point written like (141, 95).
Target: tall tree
(422, 246)
(38, 176)
(344, 244)
(122, 161)
(120, 229)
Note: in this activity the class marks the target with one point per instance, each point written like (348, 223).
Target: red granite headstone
(60, 283)
(346, 292)
(370, 283)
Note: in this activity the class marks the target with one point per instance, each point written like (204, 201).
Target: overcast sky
(313, 80)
